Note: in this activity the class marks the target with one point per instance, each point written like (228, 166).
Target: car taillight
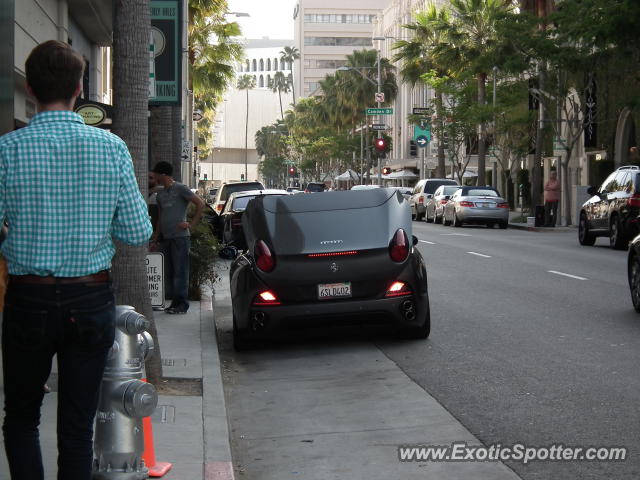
(266, 297)
(444, 202)
(399, 246)
(398, 289)
(503, 205)
(634, 200)
(467, 204)
(420, 199)
(265, 260)
(219, 207)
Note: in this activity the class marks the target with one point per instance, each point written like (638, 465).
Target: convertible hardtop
(331, 222)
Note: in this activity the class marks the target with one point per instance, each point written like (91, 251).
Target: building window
(330, 63)
(261, 84)
(261, 65)
(338, 41)
(275, 64)
(254, 65)
(351, 18)
(268, 64)
(269, 81)
(248, 67)
(310, 87)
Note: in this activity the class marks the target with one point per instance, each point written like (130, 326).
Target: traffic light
(386, 170)
(381, 144)
(292, 171)
(413, 148)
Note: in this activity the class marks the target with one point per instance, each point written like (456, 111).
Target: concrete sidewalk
(515, 215)
(190, 424)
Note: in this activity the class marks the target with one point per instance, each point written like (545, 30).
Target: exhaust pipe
(257, 321)
(408, 310)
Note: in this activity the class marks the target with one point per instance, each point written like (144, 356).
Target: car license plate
(486, 205)
(334, 290)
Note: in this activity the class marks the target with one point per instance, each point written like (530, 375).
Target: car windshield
(432, 186)
(449, 190)
(240, 187)
(480, 192)
(315, 187)
(240, 203)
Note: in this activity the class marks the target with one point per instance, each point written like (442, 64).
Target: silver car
(435, 206)
(478, 205)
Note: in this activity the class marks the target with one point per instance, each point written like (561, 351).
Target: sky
(269, 18)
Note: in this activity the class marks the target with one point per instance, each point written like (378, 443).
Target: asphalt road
(534, 340)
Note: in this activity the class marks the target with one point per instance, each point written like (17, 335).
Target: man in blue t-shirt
(172, 231)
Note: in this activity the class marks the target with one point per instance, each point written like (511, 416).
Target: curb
(217, 449)
(522, 226)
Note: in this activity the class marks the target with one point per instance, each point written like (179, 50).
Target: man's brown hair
(54, 70)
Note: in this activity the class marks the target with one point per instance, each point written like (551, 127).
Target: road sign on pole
(422, 141)
(379, 97)
(379, 111)
(379, 126)
(421, 111)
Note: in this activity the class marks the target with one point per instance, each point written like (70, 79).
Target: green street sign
(379, 111)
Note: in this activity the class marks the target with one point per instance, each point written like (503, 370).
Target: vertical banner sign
(155, 278)
(166, 22)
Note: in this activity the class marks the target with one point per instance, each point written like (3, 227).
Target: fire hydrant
(124, 400)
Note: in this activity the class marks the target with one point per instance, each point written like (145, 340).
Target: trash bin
(539, 214)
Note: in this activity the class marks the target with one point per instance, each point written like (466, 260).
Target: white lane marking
(567, 275)
(479, 254)
(455, 235)
(425, 241)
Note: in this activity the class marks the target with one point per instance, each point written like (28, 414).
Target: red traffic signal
(292, 171)
(386, 170)
(381, 144)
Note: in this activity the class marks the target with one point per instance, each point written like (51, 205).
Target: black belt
(100, 277)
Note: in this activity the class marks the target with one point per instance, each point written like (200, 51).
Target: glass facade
(330, 18)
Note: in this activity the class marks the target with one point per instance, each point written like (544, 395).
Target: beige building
(25, 23)
(227, 160)
(326, 31)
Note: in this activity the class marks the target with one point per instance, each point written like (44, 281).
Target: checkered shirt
(66, 189)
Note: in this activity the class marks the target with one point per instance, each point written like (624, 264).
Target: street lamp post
(379, 91)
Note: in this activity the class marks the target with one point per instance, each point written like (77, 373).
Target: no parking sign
(155, 277)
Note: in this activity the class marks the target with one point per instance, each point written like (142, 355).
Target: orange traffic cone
(156, 469)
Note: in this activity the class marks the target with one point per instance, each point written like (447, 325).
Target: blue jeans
(76, 322)
(176, 251)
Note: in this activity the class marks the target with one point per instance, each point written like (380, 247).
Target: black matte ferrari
(340, 258)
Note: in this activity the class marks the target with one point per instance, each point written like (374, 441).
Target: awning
(349, 175)
(406, 174)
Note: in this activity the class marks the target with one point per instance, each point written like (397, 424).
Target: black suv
(613, 209)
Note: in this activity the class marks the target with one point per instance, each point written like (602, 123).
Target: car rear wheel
(437, 219)
(445, 222)
(584, 236)
(241, 342)
(426, 216)
(456, 221)
(616, 234)
(634, 281)
(503, 224)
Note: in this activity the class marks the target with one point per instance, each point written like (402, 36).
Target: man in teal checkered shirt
(66, 189)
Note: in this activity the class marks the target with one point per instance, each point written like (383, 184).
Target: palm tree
(279, 83)
(246, 82)
(472, 43)
(130, 105)
(290, 55)
(417, 59)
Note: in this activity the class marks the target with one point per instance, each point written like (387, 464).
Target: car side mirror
(414, 240)
(429, 195)
(592, 191)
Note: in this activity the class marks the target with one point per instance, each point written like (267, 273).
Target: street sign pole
(379, 132)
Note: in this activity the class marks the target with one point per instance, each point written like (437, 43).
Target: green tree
(279, 83)
(473, 45)
(289, 55)
(416, 55)
(246, 82)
